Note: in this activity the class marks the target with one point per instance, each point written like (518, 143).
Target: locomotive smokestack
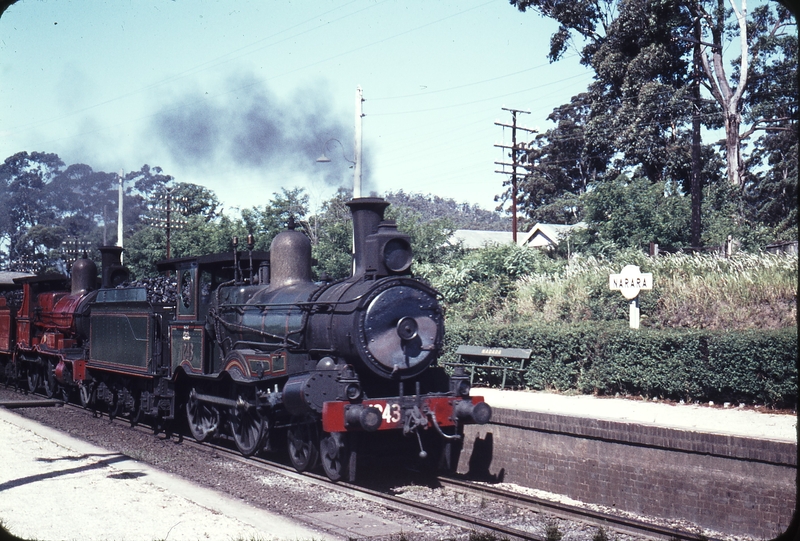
(367, 215)
(113, 272)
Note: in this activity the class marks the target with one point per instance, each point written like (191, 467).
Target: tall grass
(745, 291)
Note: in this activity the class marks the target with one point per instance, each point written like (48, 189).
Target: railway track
(501, 527)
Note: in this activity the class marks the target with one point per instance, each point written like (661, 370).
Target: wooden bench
(479, 357)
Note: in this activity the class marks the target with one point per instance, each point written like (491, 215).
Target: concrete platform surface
(55, 487)
(691, 417)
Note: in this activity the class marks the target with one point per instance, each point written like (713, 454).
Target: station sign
(630, 281)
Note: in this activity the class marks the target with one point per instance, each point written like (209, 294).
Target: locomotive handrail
(233, 326)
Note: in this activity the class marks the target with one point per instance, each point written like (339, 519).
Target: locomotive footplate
(408, 413)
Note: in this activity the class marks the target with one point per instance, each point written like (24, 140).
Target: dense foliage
(53, 211)
(736, 314)
(750, 367)
(633, 126)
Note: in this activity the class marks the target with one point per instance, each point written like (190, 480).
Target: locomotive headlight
(397, 255)
(463, 388)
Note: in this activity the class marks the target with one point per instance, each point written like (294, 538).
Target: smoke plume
(254, 129)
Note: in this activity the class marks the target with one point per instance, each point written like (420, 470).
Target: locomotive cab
(198, 280)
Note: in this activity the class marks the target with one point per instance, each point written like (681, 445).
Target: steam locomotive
(254, 350)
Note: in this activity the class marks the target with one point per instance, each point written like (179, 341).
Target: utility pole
(169, 223)
(357, 146)
(515, 150)
(72, 248)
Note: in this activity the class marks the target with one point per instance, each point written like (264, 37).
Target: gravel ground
(291, 497)
(206, 467)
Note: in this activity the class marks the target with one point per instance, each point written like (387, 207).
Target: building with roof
(548, 235)
(472, 239)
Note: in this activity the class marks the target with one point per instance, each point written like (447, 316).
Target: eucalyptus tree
(27, 202)
(266, 221)
(643, 99)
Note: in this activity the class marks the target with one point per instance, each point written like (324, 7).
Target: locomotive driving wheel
(51, 386)
(337, 456)
(203, 418)
(249, 427)
(34, 377)
(302, 443)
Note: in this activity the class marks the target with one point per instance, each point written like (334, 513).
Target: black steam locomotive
(255, 351)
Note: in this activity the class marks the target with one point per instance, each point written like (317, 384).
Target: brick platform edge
(731, 484)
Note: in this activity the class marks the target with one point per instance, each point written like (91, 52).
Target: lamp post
(356, 161)
(120, 213)
(357, 145)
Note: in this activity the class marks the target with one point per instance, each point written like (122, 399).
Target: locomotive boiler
(253, 350)
(329, 362)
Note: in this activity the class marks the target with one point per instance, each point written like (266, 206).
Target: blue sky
(241, 96)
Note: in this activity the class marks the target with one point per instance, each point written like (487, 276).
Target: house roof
(542, 235)
(473, 239)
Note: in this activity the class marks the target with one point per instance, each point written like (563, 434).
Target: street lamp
(324, 159)
(356, 161)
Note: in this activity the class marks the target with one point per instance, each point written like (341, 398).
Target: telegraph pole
(169, 223)
(515, 150)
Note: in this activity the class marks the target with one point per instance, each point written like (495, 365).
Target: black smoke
(250, 127)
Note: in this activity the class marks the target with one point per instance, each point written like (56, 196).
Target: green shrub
(608, 358)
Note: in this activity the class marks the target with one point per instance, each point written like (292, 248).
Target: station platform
(53, 486)
(728, 471)
(755, 423)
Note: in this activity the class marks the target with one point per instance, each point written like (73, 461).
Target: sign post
(630, 282)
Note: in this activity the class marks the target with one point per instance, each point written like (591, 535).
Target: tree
(86, 201)
(753, 37)
(770, 186)
(428, 236)
(266, 221)
(195, 228)
(561, 165)
(148, 180)
(641, 102)
(633, 212)
(331, 232)
(23, 181)
(462, 215)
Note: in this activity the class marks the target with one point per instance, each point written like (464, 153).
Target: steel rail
(36, 403)
(613, 522)
(619, 523)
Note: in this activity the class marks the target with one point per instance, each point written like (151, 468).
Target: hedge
(606, 358)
